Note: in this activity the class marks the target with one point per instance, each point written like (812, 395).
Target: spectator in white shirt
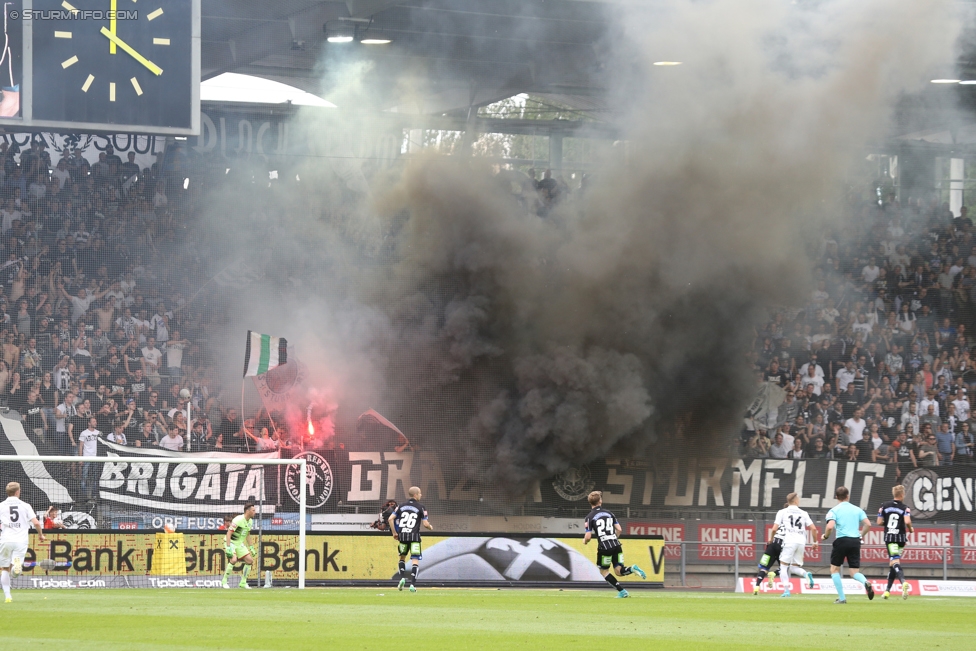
(870, 272)
(817, 369)
(152, 358)
(172, 441)
(862, 325)
(962, 406)
(812, 379)
(174, 354)
(855, 425)
(910, 417)
(81, 302)
(845, 376)
(929, 399)
(779, 449)
(88, 447)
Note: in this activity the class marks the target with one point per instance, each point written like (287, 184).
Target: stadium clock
(115, 62)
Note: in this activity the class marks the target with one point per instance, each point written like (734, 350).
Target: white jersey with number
(15, 520)
(793, 522)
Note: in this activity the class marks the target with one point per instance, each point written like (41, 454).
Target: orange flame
(311, 428)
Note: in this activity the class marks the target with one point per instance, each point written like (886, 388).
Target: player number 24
(408, 521)
(604, 528)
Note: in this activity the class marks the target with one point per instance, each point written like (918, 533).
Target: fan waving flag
(264, 353)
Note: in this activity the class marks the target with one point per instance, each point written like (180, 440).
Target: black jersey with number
(408, 518)
(601, 524)
(893, 516)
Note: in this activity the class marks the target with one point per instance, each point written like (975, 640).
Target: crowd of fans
(878, 365)
(102, 335)
(100, 338)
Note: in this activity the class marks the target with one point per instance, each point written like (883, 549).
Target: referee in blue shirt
(851, 523)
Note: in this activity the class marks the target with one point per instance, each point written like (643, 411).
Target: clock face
(135, 70)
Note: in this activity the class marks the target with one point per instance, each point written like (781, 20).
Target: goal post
(112, 507)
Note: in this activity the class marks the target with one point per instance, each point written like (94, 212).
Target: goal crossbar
(301, 463)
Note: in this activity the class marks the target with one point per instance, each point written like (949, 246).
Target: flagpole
(247, 443)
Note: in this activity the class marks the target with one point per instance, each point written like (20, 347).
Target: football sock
(228, 570)
(403, 569)
(839, 584)
(612, 580)
(247, 570)
(860, 578)
(891, 578)
(624, 571)
(413, 574)
(760, 577)
(901, 575)
(5, 582)
(796, 570)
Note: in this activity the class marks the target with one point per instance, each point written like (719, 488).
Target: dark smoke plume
(617, 324)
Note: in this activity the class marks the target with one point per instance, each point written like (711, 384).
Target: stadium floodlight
(127, 516)
(373, 36)
(945, 81)
(668, 63)
(340, 31)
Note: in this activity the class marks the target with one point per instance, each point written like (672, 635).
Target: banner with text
(353, 557)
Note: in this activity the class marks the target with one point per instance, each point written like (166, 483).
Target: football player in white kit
(793, 523)
(16, 516)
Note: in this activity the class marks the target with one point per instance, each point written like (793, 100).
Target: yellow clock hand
(153, 68)
(112, 26)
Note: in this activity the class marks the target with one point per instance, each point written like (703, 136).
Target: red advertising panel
(926, 546)
(968, 545)
(673, 534)
(719, 542)
(812, 551)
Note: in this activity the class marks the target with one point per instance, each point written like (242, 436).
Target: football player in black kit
(405, 524)
(609, 554)
(896, 518)
(770, 555)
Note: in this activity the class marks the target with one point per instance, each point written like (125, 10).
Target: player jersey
(408, 519)
(847, 518)
(15, 518)
(893, 516)
(793, 522)
(601, 524)
(241, 528)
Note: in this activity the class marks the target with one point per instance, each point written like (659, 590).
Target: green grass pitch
(473, 619)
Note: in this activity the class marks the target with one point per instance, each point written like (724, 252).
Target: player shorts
(606, 559)
(238, 549)
(10, 550)
(792, 554)
(772, 552)
(413, 548)
(846, 548)
(895, 549)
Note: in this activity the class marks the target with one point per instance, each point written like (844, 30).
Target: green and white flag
(264, 353)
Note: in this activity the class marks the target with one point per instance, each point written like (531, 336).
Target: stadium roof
(446, 56)
(459, 53)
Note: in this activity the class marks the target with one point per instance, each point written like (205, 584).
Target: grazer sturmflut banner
(713, 483)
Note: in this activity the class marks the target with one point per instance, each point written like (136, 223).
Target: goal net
(156, 519)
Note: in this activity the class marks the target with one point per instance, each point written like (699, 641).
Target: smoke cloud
(522, 345)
